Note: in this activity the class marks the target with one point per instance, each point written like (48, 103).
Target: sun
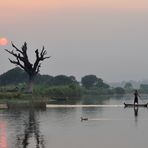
(3, 41)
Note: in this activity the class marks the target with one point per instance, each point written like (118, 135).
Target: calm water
(113, 127)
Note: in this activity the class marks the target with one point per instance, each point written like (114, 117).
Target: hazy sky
(108, 38)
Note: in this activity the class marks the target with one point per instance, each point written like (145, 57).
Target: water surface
(113, 127)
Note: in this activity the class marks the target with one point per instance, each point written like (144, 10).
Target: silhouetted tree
(64, 80)
(31, 130)
(128, 86)
(22, 61)
(13, 76)
(119, 90)
(89, 81)
(101, 84)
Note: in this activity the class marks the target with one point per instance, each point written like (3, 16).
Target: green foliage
(10, 95)
(144, 88)
(9, 88)
(41, 90)
(17, 76)
(98, 91)
(128, 87)
(118, 90)
(63, 80)
(66, 91)
(43, 79)
(13, 76)
(13, 83)
(101, 84)
(91, 81)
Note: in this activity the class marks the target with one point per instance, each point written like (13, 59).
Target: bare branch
(17, 63)
(38, 68)
(11, 52)
(24, 47)
(43, 49)
(23, 61)
(46, 58)
(42, 54)
(16, 48)
(37, 53)
(14, 62)
(40, 58)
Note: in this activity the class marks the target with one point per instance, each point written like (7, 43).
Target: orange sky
(75, 27)
(11, 10)
(136, 5)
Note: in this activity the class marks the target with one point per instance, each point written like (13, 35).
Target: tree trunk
(30, 85)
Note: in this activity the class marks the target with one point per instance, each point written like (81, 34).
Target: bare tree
(22, 61)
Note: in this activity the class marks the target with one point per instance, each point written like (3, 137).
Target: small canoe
(135, 105)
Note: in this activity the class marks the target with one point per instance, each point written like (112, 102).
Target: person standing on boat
(136, 97)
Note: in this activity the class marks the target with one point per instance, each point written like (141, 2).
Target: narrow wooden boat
(135, 105)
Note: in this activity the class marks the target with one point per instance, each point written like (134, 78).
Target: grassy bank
(46, 92)
(41, 92)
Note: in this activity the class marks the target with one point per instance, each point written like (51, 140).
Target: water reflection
(136, 111)
(3, 137)
(95, 99)
(136, 114)
(62, 127)
(31, 132)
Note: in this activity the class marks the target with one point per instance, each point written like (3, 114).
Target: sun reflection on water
(3, 135)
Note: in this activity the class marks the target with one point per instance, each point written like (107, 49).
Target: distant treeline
(17, 76)
(64, 86)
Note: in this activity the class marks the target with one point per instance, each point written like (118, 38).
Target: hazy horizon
(106, 38)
